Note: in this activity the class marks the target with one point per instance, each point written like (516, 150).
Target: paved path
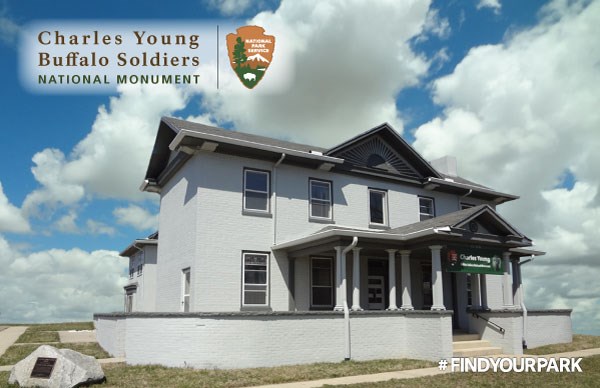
(77, 336)
(407, 374)
(9, 336)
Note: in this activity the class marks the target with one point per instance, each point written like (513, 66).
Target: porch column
(475, 295)
(406, 286)
(483, 291)
(508, 302)
(356, 279)
(392, 278)
(436, 278)
(338, 279)
(517, 290)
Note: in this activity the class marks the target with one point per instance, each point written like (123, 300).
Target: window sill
(256, 308)
(321, 220)
(378, 226)
(256, 213)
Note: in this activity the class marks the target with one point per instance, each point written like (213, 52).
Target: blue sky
(500, 84)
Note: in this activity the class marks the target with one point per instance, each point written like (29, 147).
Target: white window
(256, 279)
(320, 199)
(321, 295)
(256, 190)
(426, 208)
(185, 290)
(378, 207)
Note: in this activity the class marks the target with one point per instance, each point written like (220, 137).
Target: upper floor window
(140, 268)
(378, 206)
(256, 190)
(426, 208)
(320, 199)
(255, 281)
(131, 271)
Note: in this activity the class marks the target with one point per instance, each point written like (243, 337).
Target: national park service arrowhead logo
(250, 54)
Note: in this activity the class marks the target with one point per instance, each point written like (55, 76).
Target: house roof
(451, 226)
(136, 245)
(177, 140)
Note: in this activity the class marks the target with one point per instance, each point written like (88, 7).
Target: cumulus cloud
(11, 217)
(59, 285)
(67, 223)
(518, 115)
(97, 227)
(350, 60)
(491, 4)
(110, 161)
(234, 7)
(137, 217)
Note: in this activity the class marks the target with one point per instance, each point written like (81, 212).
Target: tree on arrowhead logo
(250, 54)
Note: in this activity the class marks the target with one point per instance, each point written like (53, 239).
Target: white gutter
(247, 143)
(464, 196)
(275, 197)
(345, 300)
(524, 339)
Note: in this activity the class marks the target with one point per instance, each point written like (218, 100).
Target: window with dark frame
(464, 205)
(320, 199)
(256, 190)
(426, 208)
(255, 279)
(378, 207)
(321, 282)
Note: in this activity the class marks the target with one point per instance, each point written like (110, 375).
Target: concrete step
(465, 337)
(461, 345)
(478, 352)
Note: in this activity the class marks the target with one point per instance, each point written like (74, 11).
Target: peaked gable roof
(381, 150)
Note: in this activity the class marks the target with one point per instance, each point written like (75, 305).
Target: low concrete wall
(256, 339)
(545, 327)
(511, 341)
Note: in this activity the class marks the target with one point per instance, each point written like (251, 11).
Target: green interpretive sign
(474, 260)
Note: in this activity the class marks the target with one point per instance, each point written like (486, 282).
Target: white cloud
(492, 4)
(111, 160)
(11, 217)
(350, 60)
(97, 227)
(234, 7)
(518, 115)
(59, 285)
(67, 223)
(139, 218)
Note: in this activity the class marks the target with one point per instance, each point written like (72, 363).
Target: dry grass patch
(120, 375)
(38, 337)
(580, 342)
(16, 353)
(62, 326)
(588, 378)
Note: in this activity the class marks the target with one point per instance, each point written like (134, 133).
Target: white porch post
(436, 278)
(508, 302)
(338, 279)
(483, 291)
(356, 279)
(475, 294)
(517, 290)
(406, 286)
(392, 278)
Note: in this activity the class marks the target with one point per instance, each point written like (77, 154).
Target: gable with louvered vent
(375, 154)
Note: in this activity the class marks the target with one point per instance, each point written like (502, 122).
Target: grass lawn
(48, 332)
(580, 342)
(590, 377)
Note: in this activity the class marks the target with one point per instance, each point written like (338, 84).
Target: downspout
(345, 300)
(463, 196)
(523, 302)
(275, 197)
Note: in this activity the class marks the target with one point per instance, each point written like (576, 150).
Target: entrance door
(376, 291)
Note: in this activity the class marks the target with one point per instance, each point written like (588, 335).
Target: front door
(376, 291)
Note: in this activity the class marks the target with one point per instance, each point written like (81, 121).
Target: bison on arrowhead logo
(250, 54)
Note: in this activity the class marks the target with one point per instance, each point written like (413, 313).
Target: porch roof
(452, 227)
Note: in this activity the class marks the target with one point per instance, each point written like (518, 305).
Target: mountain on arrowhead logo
(250, 54)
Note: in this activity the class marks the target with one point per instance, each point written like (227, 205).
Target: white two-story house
(272, 252)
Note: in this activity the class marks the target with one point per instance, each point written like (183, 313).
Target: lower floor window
(321, 282)
(129, 302)
(255, 279)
